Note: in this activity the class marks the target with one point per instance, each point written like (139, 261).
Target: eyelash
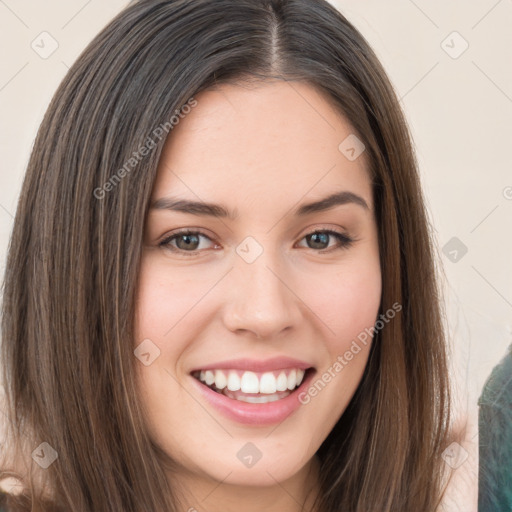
(344, 241)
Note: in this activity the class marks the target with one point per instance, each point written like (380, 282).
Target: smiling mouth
(253, 387)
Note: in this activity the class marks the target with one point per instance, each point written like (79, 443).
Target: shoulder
(497, 391)
(10, 502)
(495, 439)
(6, 497)
(3, 501)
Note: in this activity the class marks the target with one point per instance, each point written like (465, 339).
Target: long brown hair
(72, 266)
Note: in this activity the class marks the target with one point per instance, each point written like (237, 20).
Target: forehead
(267, 142)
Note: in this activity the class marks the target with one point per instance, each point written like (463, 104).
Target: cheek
(346, 302)
(162, 316)
(165, 301)
(162, 304)
(348, 305)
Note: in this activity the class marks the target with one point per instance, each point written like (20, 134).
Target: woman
(178, 333)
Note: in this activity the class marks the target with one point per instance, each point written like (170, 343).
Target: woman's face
(250, 298)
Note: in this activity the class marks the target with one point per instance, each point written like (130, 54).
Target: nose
(261, 298)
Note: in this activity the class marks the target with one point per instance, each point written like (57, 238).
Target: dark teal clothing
(3, 497)
(2, 501)
(495, 444)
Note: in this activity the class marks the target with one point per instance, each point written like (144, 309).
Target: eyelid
(181, 231)
(345, 240)
(166, 239)
(323, 227)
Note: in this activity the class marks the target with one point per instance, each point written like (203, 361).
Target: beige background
(450, 63)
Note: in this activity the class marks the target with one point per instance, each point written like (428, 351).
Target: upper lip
(256, 365)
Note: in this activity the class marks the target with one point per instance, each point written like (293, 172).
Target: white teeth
(233, 381)
(282, 382)
(292, 379)
(259, 399)
(250, 382)
(268, 383)
(220, 379)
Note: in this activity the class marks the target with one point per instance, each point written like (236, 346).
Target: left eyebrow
(219, 211)
(336, 199)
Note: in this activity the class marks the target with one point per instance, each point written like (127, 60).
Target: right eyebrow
(193, 207)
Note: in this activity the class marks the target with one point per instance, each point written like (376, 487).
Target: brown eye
(184, 241)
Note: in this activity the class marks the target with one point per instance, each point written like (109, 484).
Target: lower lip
(255, 414)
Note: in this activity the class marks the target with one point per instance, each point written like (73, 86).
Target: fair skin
(262, 152)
